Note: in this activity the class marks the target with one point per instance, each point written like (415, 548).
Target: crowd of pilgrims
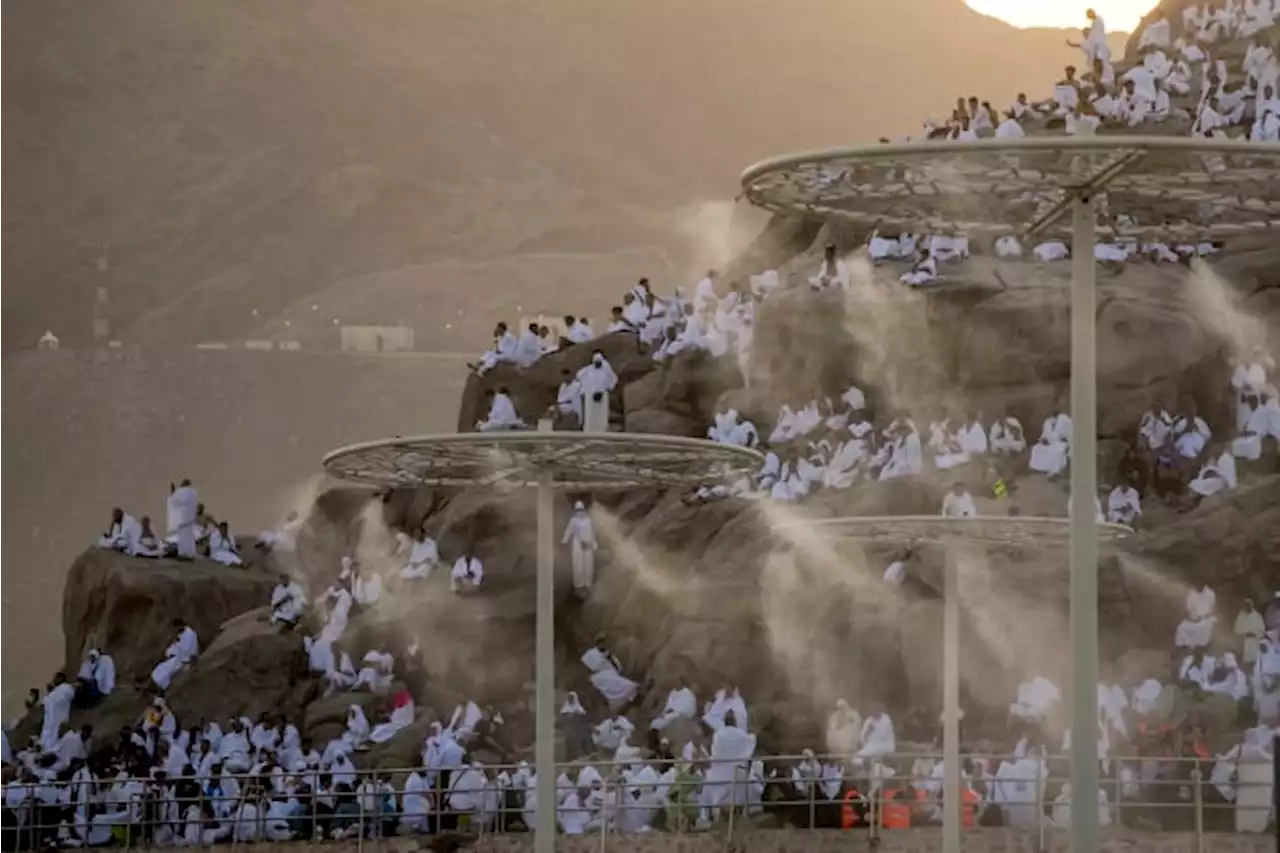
(249, 780)
(167, 782)
(1195, 58)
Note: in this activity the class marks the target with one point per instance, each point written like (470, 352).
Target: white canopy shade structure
(546, 461)
(1175, 188)
(956, 536)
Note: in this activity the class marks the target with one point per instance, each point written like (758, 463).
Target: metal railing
(1173, 794)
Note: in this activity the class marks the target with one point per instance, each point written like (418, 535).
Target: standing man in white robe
(57, 710)
(183, 506)
(597, 381)
(580, 536)
(833, 272)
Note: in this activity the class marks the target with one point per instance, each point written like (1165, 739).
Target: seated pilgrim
(376, 673)
(283, 538)
(1009, 128)
(1052, 250)
(1005, 437)
(881, 249)
(502, 412)
(877, 738)
(973, 437)
(1196, 671)
(123, 533)
(1050, 454)
(468, 573)
(1196, 631)
(1155, 429)
(607, 677)
(948, 448)
(288, 602)
(569, 396)
(528, 347)
(1036, 697)
(98, 674)
(901, 455)
(1123, 505)
(581, 331)
(180, 652)
(402, 713)
(681, 703)
(958, 503)
(504, 349)
(924, 270)
(1215, 476)
(222, 546)
(844, 728)
(611, 733)
(148, 544)
(423, 556)
(1228, 679)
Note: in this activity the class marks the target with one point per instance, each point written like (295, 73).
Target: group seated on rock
(192, 531)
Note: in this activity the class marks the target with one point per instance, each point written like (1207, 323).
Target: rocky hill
(706, 592)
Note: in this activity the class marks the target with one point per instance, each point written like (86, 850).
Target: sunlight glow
(1119, 15)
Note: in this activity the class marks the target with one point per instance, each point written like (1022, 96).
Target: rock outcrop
(127, 605)
(706, 593)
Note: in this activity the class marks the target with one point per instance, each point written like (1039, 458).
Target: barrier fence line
(150, 811)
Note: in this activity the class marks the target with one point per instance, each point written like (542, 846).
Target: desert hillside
(208, 160)
(224, 167)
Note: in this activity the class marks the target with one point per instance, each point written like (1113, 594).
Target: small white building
(377, 338)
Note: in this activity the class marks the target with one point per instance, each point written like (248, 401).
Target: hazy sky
(1118, 14)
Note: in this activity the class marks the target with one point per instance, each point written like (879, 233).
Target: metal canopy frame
(1176, 187)
(955, 534)
(546, 461)
(1187, 188)
(575, 461)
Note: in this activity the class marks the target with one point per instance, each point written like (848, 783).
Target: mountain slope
(205, 160)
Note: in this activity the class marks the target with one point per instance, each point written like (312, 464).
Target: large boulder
(126, 605)
(250, 667)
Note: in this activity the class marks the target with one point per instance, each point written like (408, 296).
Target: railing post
(1197, 798)
(813, 808)
(1040, 820)
(360, 825)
